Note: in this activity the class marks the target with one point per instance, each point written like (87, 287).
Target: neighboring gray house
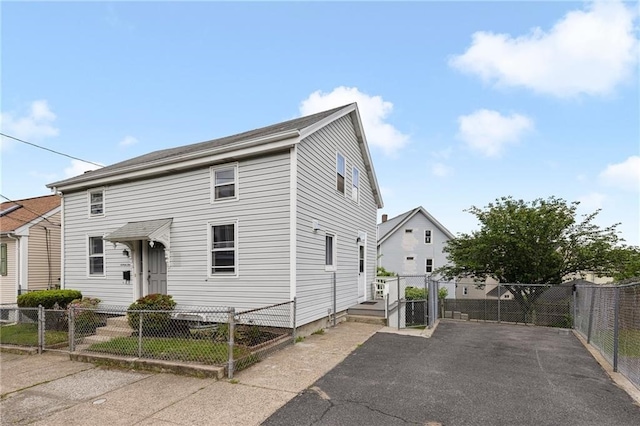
(412, 243)
(248, 220)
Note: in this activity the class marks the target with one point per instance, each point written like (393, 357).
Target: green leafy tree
(626, 260)
(538, 242)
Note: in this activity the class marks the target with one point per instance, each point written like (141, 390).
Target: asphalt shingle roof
(167, 154)
(137, 230)
(21, 212)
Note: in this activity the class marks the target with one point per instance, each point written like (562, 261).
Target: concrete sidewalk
(50, 389)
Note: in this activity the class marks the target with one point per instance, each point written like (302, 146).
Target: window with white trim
(340, 172)
(428, 266)
(96, 257)
(96, 203)
(355, 185)
(224, 183)
(465, 290)
(427, 236)
(224, 249)
(330, 252)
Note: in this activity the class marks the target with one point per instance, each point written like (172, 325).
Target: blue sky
(462, 102)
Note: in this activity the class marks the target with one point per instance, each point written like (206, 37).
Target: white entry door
(157, 270)
(362, 275)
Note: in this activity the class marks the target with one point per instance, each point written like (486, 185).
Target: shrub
(414, 293)
(48, 298)
(381, 272)
(86, 318)
(153, 322)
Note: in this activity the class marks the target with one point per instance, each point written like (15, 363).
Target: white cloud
(488, 132)
(588, 51)
(373, 110)
(625, 175)
(34, 125)
(441, 170)
(128, 140)
(592, 201)
(386, 191)
(78, 167)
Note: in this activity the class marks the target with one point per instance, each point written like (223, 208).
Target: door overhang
(153, 231)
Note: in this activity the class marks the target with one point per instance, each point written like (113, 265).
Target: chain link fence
(408, 301)
(218, 336)
(609, 318)
(531, 304)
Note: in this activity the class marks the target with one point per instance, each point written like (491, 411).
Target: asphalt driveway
(465, 374)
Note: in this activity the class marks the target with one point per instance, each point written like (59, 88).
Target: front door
(361, 271)
(157, 270)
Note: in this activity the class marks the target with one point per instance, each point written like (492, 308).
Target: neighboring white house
(29, 246)
(247, 220)
(412, 244)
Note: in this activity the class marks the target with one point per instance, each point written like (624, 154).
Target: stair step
(366, 312)
(120, 321)
(114, 331)
(367, 319)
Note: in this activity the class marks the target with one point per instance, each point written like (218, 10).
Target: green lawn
(203, 351)
(27, 335)
(628, 341)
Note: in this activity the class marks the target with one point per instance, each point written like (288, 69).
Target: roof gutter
(194, 159)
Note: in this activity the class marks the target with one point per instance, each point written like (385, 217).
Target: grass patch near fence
(27, 335)
(173, 349)
(628, 342)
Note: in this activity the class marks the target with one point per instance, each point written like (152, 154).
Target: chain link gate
(409, 304)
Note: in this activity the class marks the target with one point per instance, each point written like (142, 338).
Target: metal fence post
(593, 300)
(232, 328)
(398, 305)
(616, 329)
(72, 328)
(293, 334)
(41, 327)
(574, 311)
(140, 335)
(426, 302)
(499, 297)
(335, 294)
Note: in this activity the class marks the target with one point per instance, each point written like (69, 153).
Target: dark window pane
(96, 209)
(96, 246)
(96, 197)
(96, 265)
(225, 176)
(341, 183)
(223, 261)
(223, 234)
(225, 191)
(329, 250)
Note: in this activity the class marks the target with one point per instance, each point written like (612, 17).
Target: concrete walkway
(50, 389)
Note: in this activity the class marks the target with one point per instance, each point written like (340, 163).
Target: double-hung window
(224, 183)
(427, 236)
(340, 172)
(96, 203)
(428, 266)
(224, 249)
(355, 185)
(330, 252)
(96, 257)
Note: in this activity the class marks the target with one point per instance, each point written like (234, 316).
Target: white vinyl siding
(317, 199)
(262, 211)
(44, 253)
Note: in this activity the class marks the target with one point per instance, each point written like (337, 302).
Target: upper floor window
(340, 172)
(465, 290)
(96, 202)
(224, 249)
(428, 266)
(408, 231)
(224, 183)
(427, 236)
(355, 185)
(96, 257)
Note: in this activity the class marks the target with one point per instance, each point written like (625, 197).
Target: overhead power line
(50, 150)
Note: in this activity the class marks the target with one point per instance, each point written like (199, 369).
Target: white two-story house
(247, 220)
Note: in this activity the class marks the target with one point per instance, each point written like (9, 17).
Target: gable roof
(17, 213)
(386, 229)
(287, 133)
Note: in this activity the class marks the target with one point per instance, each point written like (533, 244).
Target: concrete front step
(114, 331)
(366, 312)
(120, 322)
(367, 319)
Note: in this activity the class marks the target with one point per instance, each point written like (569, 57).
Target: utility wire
(32, 211)
(51, 150)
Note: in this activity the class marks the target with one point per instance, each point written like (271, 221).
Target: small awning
(152, 230)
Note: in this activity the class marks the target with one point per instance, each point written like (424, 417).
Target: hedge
(48, 298)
